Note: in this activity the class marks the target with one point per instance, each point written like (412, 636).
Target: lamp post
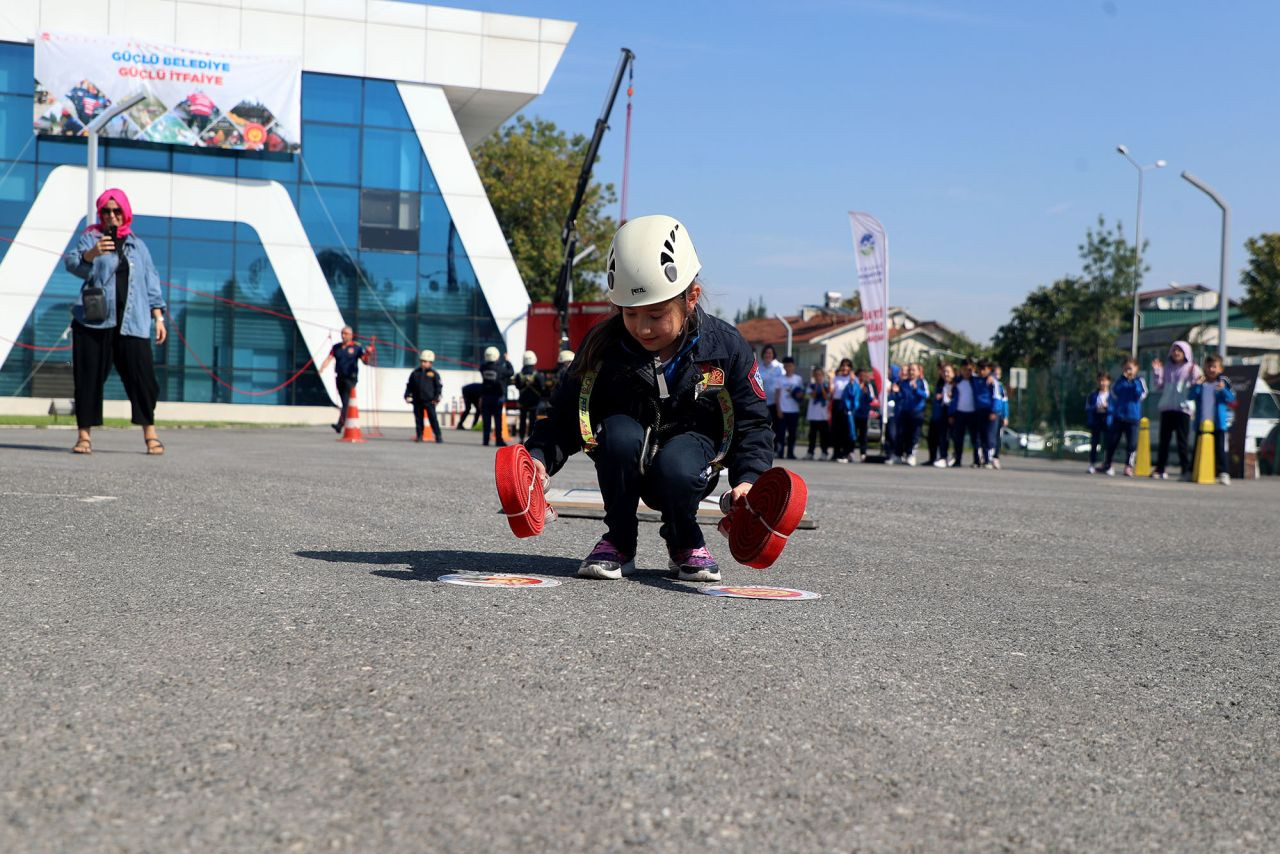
(1137, 244)
(91, 216)
(1222, 261)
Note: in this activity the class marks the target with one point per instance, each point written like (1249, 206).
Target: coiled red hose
(520, 491)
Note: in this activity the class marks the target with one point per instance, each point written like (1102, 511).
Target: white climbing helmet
(427, 356)
(491, 354)
(566, 356)
(530, 358)
(650, 260)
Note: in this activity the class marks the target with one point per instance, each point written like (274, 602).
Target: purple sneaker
(606, 562)
(694, 565)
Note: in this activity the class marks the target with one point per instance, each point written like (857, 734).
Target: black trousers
(491, 415)
(93, 352)
(1221, 463)
(419, 408)
(908, 433)
(841, 441)
(819, 435)
(528, 414)
(673, 483)
(1097, 439)
(860, 427)
(1127, 429)
(345, 386)
(785, 429)
(1174, 424)
(960, 428)
(938, 435)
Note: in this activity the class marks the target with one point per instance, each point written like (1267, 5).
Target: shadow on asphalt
(430, 565)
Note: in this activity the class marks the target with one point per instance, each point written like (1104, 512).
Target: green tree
(1261, 280)
(530, 170)
(754, 311)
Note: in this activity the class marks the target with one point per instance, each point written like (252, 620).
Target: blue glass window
(392, 159)
(51, 149)
(17, 70)
(331, 155)
(383, 106)
(330, 215)
(331, 98)
(15, 127)
(268, 167)
(197, 162)
(394, 279)
(125, 156)
(17, 190)
(435, 225)
(205, 229)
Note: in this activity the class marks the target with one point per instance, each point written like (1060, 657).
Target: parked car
(1012, 440)
(1075, 442)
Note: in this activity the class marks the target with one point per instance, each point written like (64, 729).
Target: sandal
(155, 447)
(82, 446)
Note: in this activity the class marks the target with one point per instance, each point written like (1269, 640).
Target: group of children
(970, 402)
(1114, 410)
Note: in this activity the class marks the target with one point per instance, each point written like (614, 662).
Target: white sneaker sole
(698, 575)
(605, 571)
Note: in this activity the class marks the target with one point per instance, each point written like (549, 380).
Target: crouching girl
(661, 397)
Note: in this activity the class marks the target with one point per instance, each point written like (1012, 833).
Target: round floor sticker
(498, 579)
(781, 594)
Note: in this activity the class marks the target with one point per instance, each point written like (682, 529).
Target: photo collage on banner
(210, 100)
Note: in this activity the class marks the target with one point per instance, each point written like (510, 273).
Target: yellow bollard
(1204, 466)
(1142, 466)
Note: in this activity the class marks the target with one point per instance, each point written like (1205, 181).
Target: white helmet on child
(491, 354)
(427, 356)
(566, 356)
(650, 260)
(530, 358)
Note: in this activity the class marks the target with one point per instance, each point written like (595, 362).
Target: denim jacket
(144, 284)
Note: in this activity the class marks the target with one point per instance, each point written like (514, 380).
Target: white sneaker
(953, 464)
(809, 455)
(828, 456)
(1111, 472)
(911, 460)
(1224, 479)
(995, 462)
(1093, 469)
(890, 461)
(842, 459)
(939, 464)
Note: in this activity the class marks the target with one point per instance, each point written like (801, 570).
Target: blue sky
(982, 134)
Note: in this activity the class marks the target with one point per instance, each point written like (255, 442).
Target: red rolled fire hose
(520, 491)
(758, 524)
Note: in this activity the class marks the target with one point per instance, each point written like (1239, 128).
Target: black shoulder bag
(93, 299)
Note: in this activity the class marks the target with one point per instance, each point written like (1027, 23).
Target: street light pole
(1222, 261)
(1137, 245)
(91, 215)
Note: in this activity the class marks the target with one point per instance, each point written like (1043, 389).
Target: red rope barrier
(36, 346)
(228, 301)
(220, 381)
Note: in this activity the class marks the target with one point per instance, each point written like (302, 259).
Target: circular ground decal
(498, 579)
(781, 594)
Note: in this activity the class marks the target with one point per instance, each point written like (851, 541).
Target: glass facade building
(372, 211)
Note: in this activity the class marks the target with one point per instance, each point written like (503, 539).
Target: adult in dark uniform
(495, 375)
(470, 404)
(348, 355)
(532, 385)
(423, 392)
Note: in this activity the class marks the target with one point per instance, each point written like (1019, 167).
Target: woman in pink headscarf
(112, 320)
(1173, 381)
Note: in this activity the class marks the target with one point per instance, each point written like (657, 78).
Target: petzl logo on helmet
(757, 384)
(635, 291)
(867, 244)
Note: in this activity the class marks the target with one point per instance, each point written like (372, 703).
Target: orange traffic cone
(506, 426)
(427, 434)
(351, 431)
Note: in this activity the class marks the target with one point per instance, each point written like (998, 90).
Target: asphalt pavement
(242, 646)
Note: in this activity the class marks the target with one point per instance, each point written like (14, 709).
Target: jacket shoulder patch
(757, 384)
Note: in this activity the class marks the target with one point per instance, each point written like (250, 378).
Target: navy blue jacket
(425, 385)
(1094, 419)
(911, 397)
(627, 384)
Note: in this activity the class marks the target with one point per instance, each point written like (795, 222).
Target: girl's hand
(738, 491)
(541, 471)
(1156, 364)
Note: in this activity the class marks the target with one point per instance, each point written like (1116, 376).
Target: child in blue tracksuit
(1097, 417)
(984, 424)
(854, 404)
(1002, 416)
(1214, 400)
(1126, 411)
(911, 393)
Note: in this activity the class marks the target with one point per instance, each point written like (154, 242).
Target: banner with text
(210, 100)
(871, 251)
